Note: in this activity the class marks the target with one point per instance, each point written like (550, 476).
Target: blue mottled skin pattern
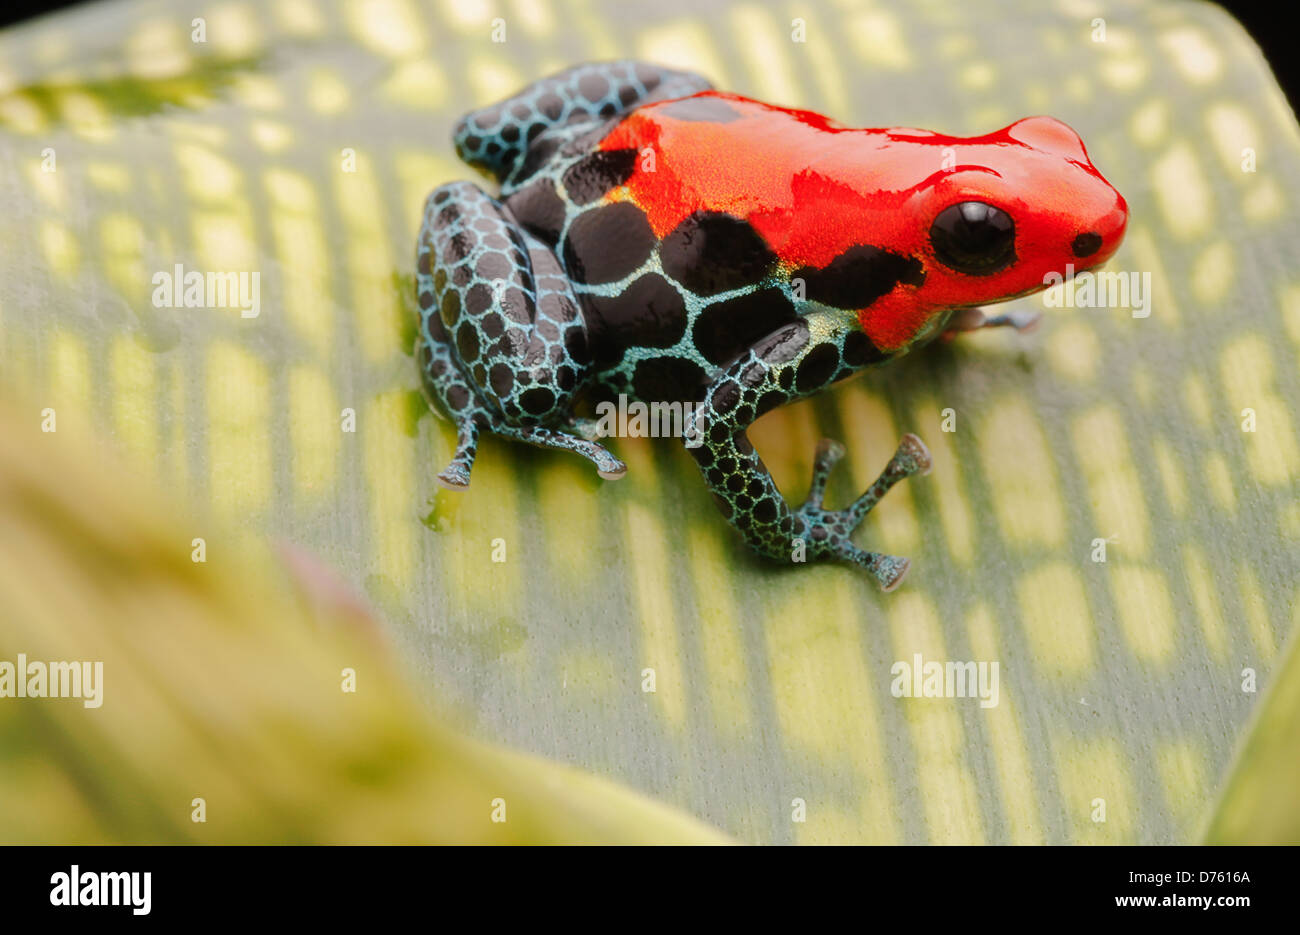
(517, 323)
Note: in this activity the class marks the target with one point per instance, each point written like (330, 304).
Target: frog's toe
(973, 319)
(607, 466)
(828, 454)
(827, 532)
(912, 456)
(1019, 319)
(455, 477)
(964, 319)
(888, 570)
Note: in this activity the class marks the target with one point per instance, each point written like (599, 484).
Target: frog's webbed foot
(973, 319)
(827, 532)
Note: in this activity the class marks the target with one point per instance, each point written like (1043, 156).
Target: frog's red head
(897, 225)
(1015, 207)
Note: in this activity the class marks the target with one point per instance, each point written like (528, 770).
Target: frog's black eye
(974, 238)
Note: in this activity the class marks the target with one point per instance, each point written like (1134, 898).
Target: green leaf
(1259, 803)
(227, 704)
(1120, 682)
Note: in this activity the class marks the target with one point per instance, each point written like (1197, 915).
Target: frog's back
(655, 216)
(681, 224)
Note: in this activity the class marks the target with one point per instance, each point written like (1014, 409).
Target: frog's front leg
(973, 319)
(789, 365)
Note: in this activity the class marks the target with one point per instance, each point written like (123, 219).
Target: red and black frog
(655, 238)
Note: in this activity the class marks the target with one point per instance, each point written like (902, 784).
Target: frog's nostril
(1086, 245)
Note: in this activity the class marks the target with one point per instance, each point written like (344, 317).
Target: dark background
(1274, 34)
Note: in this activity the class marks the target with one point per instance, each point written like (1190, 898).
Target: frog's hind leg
(507, 311)
(455, 476)
(502, 345)
(496, 138)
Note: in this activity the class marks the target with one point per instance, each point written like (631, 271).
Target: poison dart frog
(656, 238)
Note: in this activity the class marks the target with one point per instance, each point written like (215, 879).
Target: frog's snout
(1100, 210)
(1097, 241)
